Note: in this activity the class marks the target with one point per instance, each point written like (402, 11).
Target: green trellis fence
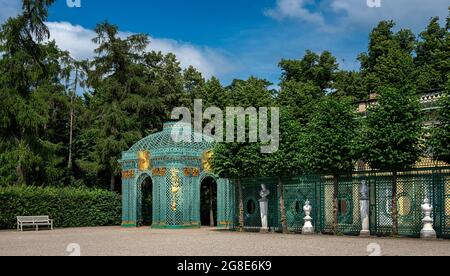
(412, 188)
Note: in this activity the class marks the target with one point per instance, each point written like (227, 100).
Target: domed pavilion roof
(168, 142)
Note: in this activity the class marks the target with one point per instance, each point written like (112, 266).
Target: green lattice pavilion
(176, 171)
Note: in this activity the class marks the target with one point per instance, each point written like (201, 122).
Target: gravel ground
(117, 241)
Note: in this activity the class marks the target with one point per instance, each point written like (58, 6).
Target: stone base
(264, 230)
(364, 234)
(308, 231)
(428, 235)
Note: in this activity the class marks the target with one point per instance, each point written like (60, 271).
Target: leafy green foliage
(440, 136)
(301, 98)
(50, 134)
(326, 144)
(287, 160)
(134, 93)
(33, 113)
(69, 207)
(349, 84)
(237, 160)
(319, 69)
(389, 60)
(433, 56)
(391, 138)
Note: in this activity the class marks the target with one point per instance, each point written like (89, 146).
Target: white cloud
(208, 61)
(78, 41)
(286, 9)
(9, 8)
(407, 13)
(73, 38)
(344, 14)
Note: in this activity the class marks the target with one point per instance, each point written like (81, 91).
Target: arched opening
(208, 202)
(146, 207)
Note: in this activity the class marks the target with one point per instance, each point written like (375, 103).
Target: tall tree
(319, 69)
(33, 112)
(349, 84)
(74, 74)
(389, 60)
(214, 94)
(433, 56)
(241, 160)
(287, 160)
(301, 98)
(391, 140)
(327, 143)
(117, 80)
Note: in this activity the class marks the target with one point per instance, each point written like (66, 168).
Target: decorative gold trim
(206, 161)
(144, 162)
(187, 172)
(128, 174)
(175, 188)
(195, 172)
(159, 172)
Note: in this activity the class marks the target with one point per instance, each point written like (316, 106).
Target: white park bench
(35, 221)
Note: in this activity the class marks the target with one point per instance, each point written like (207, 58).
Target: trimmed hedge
(68, 207)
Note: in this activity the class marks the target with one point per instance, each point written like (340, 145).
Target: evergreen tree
(119, 89)
(34, 107)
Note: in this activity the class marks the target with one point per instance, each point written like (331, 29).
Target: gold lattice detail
(127, 174)
(145, 162)
(159, 172)
(175, 188)
(206, 161)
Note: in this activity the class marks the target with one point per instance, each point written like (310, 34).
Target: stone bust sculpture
(307, 208)
(264, 192)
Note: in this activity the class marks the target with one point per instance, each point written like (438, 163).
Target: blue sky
(235, 39)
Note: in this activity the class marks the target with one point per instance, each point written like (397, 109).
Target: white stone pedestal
(364, 204)
(264, 207)
(365, 232)
(427, 232)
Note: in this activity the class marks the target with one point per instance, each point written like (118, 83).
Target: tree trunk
(211, 210)
(241, 207)
(69, 163)
(394, 205)
(284, 226)
(335, 203)
(20, 175)
(19, 169)
(112, 184)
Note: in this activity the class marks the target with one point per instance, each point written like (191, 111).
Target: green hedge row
(68, 207)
